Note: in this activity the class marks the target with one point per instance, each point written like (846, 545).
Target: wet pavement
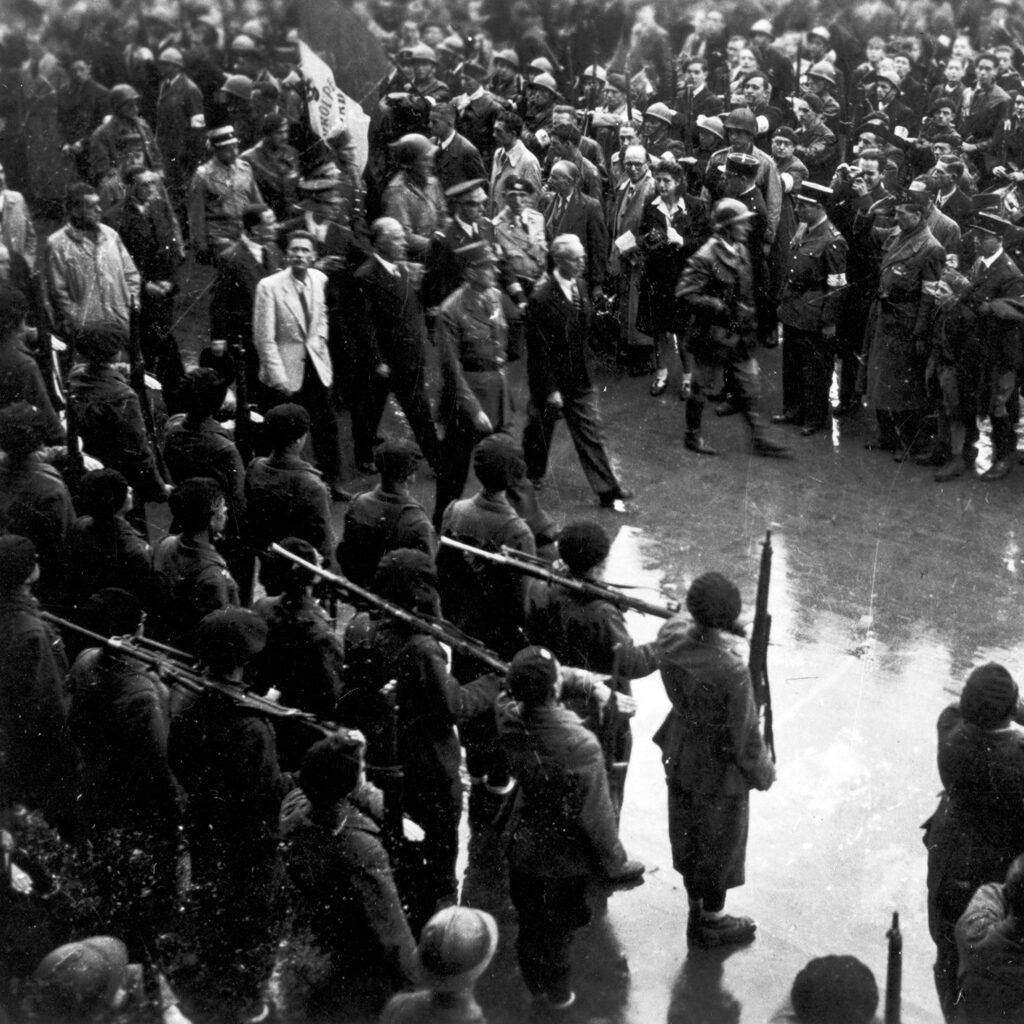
(887, 588)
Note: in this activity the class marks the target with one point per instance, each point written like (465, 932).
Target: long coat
(900, 315)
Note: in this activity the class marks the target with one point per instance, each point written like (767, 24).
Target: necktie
(576, 297)
(304, 303)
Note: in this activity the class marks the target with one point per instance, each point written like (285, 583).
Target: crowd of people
(258, 791)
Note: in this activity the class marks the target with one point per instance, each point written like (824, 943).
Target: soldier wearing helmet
(105, 142)
(717, 287)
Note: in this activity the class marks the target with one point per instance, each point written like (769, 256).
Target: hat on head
(985, 201)
(239, 86)
(823, 70)
(467, 190)
(396, 459)
(498, 462)
(544, 81)
(660, 112)
(811, 192)
(509, 57)
(915, 194)
(172, 55)
(413, 145)
(223, 136)
(784, 132)
(513, 183)
(318, 186)
(230, 636)
(474, 69)
(742, 119)
(476, 254)
(254, 29)
(532, 673)
(762, 27)
(713, 600)
(595, 71)
(286, 423)
(17, 558)
(814, 102)
(453, 44)
(80, 978)
(112, 612)
(989, 696)
(423, 52)
(582, 545)
(616, 81)
(455, 948)
(821, 32)
(711, 124)
(408, 577)
(835, 990)
(743, 164)
(121, 94)
(541, 64)
(992, 224)
(243, 44)
(884, 75)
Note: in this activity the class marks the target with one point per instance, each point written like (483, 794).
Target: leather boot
(1004, 449)
(694, 415)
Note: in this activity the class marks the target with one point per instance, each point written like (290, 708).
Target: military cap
(122, 93)
(172, 55)
(660, 112)
(286, 423)
(318, 186)
(811, 192)
(582, 545)
(595, 71)
(541, 64)
(544, 81)
(466, 190)
(617, 82)
(272, 123)
(396, 459)
(713, 600)
(711, 124)
(230, 636)
(498, 462)
(405, 54)
(423, 52)
(513, 183)
(876, 120)
(453, 44)
(239, 86)
(532, 674)
(915, 194)
(784, 132)
(989, 696)
(243, 44)
(455, 947)
(835, 990)
(476, 254)
(985, 201)
(823, 70)
(743, 165)
(992, 224)
(82, 977)
(763, 27)
(473, 69)
(821, 32)
(509, 57)
(17, 559)
(223, 136)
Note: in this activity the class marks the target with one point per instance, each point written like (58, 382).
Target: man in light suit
(16, 229)
(289, 322)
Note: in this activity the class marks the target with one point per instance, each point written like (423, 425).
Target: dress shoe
(727, 408)
(999, 470)
(631, 871)
(766, 446)
(619, 494)
(786, 419)
(951, 470)
(724, 931)
(699, 445)
(659, 386)
(812, 428)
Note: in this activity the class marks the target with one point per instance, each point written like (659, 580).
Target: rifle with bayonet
(445, 632)
(893, 971)
(76, 460)
(759, 636)
(137, 378)
(517, 562)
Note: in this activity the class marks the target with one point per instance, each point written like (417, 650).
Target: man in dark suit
(391, 345)
(694, 100)
(457, 160)
(558, 330)
(244, 264)
(951, 199)
(444, 270)
(569, 212)
(478, 109)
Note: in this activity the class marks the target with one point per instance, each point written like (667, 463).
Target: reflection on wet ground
(887, 589)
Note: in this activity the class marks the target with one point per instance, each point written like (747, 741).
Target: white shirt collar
(989, 260)
(476, 95)
(680, 204)
(566, 284)
(445, 143)
(470, 229)
(391, 268)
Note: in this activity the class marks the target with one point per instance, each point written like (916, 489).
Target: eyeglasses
(633, 163)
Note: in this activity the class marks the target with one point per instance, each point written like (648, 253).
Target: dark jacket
(392, 328)
(459, 161)
(443, 267)
(234, 290)
(815, 279)
(558, 337)
(206, 449)
(562, 823)
(107, 553)
(583, 218)
(22, 381)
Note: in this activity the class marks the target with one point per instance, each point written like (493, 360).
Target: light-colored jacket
(16, 228)
(88, 279)
(281, 335)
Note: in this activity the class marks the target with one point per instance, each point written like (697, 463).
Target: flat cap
(237, 632)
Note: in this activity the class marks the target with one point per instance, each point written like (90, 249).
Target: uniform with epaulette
(809, 309)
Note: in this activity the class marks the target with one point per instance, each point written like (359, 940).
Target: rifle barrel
(528, 567)
(472, 648)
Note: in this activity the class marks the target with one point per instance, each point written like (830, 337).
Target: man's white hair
(568, 245)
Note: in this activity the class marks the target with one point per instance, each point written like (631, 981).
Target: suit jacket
(443, 268)
(281, 335)
(16, 228)
(392, 325)
(234, 290)
(459, 161)
(582, 217)
(981, 113)
(624, 215)
(690, 106)
(557, 341)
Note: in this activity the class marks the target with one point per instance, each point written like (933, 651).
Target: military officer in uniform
(443, 273)
(811, 297)
(221, 189)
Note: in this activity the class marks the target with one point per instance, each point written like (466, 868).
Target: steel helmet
(121, 94)
(81, 976)
(456, 945)
(742, 119)
(423, 52)
(823, 69)
(728, 212)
